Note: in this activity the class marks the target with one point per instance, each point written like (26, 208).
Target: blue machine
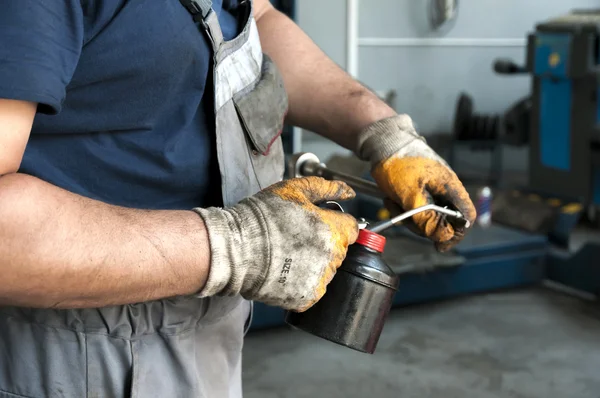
(563, 58)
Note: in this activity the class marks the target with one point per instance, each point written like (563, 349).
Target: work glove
(278, 247)
(412, 174)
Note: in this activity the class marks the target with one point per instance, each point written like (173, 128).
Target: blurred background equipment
(442, 12)
(563, 58)
(558, 122)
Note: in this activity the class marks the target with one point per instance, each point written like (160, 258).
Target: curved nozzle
(381, 226)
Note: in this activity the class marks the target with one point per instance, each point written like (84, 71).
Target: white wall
(428, 79)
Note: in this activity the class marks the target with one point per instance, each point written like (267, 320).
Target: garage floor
(531, 343)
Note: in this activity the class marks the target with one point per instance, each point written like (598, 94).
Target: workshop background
(429, 69)
(513, 311)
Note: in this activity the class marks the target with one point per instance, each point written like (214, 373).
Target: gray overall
(180, 347)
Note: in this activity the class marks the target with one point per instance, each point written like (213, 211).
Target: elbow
(18, 192)
(9, 170)
(14, 184)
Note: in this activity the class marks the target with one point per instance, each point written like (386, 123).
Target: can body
(484, 207)
(358, 300)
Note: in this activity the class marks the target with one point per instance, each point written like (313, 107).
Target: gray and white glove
(278, 247)
(412, 175)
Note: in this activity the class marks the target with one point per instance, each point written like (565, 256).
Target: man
(140, 199)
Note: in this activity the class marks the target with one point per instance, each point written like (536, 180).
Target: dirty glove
(278, 247)
(411, 174)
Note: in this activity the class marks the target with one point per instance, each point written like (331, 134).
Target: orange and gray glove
(278, 247)
(411, 174)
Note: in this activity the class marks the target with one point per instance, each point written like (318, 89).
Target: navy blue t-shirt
(126, 99)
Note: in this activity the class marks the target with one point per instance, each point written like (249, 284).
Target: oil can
(358, 300)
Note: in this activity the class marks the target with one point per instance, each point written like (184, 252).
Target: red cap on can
(371, 240)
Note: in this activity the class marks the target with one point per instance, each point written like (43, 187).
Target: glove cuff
(386, 137)
(238, 253)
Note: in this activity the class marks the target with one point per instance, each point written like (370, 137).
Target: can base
(352, 313)
(289, 319)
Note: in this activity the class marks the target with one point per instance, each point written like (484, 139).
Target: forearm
(323, 98)
(58, 249)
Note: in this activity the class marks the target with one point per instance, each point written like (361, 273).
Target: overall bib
(182, 347)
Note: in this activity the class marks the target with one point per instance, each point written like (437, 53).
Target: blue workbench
(493, 258)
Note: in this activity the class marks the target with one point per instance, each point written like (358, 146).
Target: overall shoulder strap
(198, 7)
(203, 13)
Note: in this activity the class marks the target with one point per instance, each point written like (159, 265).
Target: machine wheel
(462, 116)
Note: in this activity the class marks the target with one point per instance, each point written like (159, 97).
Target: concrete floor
(521, 344)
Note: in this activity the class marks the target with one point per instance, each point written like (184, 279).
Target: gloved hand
(278, 247)
(411, 174)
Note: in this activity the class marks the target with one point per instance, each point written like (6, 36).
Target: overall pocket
(38, 361)
(203, 361)
(262, 110)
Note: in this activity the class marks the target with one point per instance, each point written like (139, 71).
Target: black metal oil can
(358, 300)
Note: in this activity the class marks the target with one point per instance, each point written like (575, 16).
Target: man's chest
(137, 122)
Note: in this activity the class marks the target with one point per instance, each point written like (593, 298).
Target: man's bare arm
(58, 249)
(323, 97)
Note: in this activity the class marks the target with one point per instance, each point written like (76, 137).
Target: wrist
(387, 137)
(368, 109)
(215, 222)
(236, 241)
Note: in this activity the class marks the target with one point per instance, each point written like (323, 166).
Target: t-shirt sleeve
(40, 45)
